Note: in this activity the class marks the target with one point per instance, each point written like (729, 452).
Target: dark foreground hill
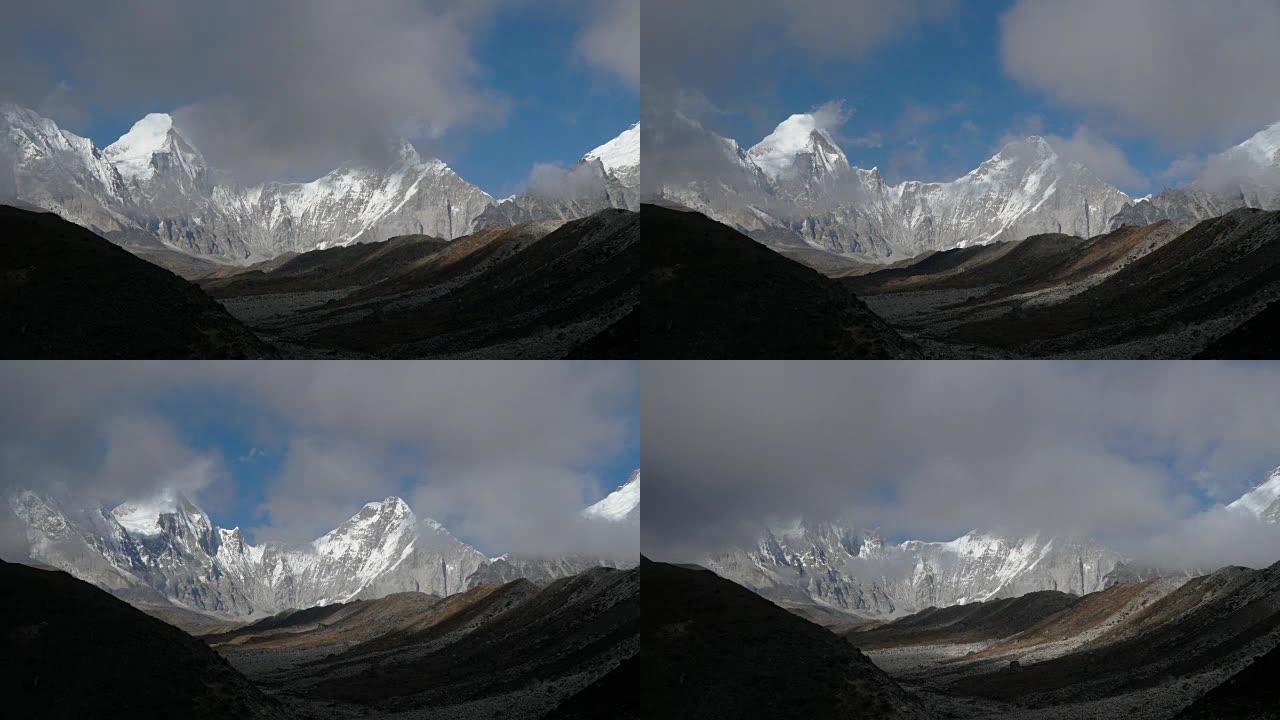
(67, 293)
(509, 292)
(71, 650)
(711, 292)
(713, 649)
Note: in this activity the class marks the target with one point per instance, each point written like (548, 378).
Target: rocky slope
(796, 185)
(68, 293)
(166, 551)
(512, 651)
(153, 187)
(527, 291)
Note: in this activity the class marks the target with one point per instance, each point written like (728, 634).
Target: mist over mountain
(165, 550)
(154, 187)
(797, 186)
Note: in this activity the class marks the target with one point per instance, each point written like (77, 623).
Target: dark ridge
(539, 299)
(279, 621)
(1251, 694)
(1258, 338)
(68, 293)
(714, 649)
(74, 651)
(576, 626)
(331, 269)
(616, 696)
(1208, 272)
(1207, 621)
(972, 622)
(711, 292)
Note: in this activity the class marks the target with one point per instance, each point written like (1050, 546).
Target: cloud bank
(1131, 454)
(501, 453)
(1185, 70)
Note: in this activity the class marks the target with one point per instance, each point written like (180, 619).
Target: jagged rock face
(502, 570)
(170, 546)
(857, 572)
(154, 185)
(167, 550)
(59, 171)
(606, 177)
(1247, 175)
(798, 184)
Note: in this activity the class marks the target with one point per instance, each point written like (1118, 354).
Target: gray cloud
(288, 88)
(499, 451)
(729, 53)
(1184, 69)
(611, 41)
(931, 450)
(1099, 155)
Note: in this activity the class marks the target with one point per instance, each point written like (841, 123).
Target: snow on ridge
(131, 154)
(142, 517)
(1259, 499)
(620, 153)
(775, 153)
(618, 504)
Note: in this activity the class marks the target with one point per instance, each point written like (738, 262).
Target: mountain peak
(619, 504)
(133, 154)
(1264, 500)
(620, 153)
(142, 517)
(798, 134)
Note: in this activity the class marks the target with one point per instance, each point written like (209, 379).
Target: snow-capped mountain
(798, 185)
(1247, 175)
(167, 550)
(1263, 501)
(608, 176)
(621, 505)
(153, 185)
(855, 571)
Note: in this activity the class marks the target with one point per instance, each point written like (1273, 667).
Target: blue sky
(933, 92)
(497, 85)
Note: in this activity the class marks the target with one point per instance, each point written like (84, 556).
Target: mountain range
(797, 189)
(153, 188)
(856, 572)
(165, 552)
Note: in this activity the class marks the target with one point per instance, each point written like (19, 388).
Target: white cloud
(1105, 159)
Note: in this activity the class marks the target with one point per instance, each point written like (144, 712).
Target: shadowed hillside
(68, 293)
